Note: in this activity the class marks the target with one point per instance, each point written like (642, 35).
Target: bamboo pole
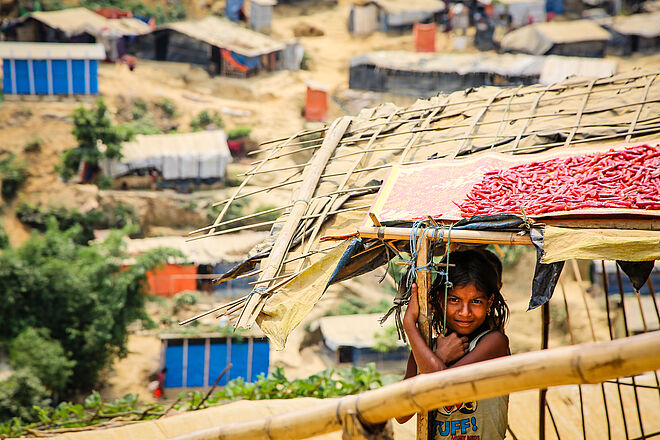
(584, 363)
(457, 235)
(281, 246)
(423, 321)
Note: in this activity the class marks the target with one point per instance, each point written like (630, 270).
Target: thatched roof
(515, 121)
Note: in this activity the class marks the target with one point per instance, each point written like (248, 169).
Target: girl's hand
(412, 311)
(451, 348)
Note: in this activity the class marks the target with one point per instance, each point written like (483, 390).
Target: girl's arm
(411, 371)
(450, 349)
(492, 345)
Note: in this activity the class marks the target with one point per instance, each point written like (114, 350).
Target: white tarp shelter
(539, 38)
(524, 11)
(202, 155)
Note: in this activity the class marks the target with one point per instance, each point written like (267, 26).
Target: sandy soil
(271, 104)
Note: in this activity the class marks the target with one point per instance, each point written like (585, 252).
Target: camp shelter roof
(357, 331)
(51, 51)
(183, 155)
(538, 38)
(228, 248)
(227, 35)
(549, 68)
(645, 25)
(397, 6)
(522, 120)
(75, 21)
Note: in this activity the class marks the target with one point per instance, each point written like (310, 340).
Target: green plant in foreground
(206, 119)
(238, 132)
(327, 383)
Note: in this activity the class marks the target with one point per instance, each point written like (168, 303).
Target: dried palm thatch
(348, 160)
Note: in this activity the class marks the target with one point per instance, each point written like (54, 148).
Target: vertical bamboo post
(423, 321)
(545, 308)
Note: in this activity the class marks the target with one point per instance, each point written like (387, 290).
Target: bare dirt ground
(271, 104)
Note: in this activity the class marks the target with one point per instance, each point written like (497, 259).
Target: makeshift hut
(360, 340)
(521, 12)
(633, 33)
(405, 180)
(368, 16)
(50, 69)
(261, 14)
(221, 46)
(200, 264)
(78, 25)
(178, 159)
(198, 361)
(579, 38)
(420, 74)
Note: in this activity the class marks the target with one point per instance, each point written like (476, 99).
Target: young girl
(476, 314)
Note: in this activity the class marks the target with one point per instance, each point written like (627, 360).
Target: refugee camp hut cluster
(360, 340)
(633, 33)
(579, 38)
(369, 16)
(78, 25)
(197, 361)
(420, 74)
(50, 68)
(200, 261)
(179, 160)
(429, 155)
(223, 47)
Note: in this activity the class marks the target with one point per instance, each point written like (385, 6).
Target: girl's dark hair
(471, 268)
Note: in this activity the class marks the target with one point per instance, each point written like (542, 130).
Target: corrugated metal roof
(75, 21)
(230, 248)
(51, 51)
(227, 35)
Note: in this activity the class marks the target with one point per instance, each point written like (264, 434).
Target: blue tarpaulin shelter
(50, 68)
(197, 361)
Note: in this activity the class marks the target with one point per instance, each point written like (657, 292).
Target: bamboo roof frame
(509, 120)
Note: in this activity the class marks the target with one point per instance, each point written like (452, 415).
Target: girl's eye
(452, 299)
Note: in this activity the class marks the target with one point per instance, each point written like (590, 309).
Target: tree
(19, 394)
(35, 350)
(97, 137)
(81, 294)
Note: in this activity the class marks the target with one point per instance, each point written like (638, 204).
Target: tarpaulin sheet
(443, 183)
(561, 244)
(284, 311)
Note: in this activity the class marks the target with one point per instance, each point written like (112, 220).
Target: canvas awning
(358, 331)
(225, 34)
(578, 112)
(203, 155)
(76, 21)
(643, 25)
(538, 38)
(226, 249)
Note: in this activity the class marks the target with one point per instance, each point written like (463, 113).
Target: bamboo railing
(583, 363)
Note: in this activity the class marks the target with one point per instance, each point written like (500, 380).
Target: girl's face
(467, 309)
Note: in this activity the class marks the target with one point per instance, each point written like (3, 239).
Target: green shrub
(140, 108)
(236, 210)
(33, 145)
(167, 106)
(4, 238)
(19, 395)
(238, 132)
(35, 350)
(205, 119)
(183, 299)
(13, 173)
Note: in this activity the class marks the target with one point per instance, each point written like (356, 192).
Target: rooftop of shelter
(51, 51)
(75, 21)
(227, 35)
